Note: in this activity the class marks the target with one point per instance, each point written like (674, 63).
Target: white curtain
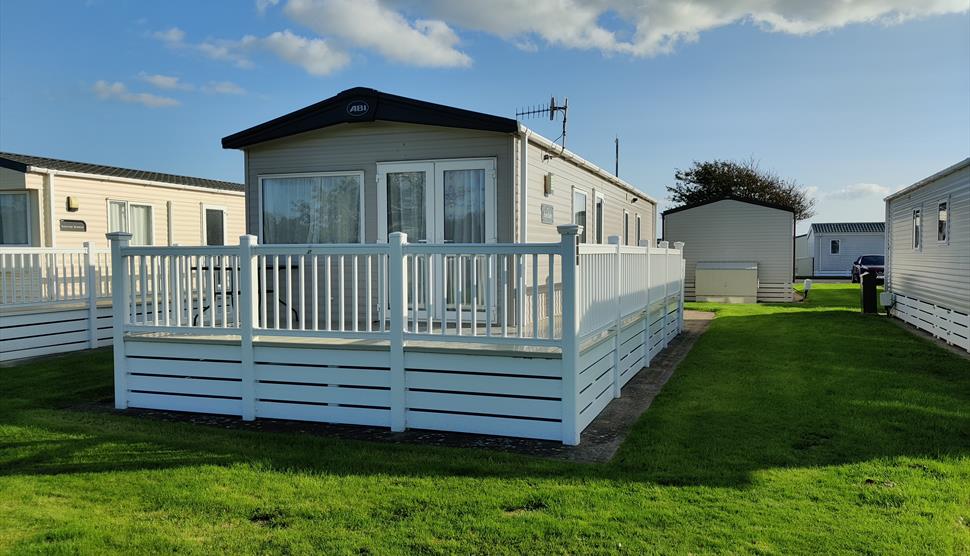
(13, 219)
(141, 224)
(406, 204)
(117, 216)
(464, 206)
(312, 209)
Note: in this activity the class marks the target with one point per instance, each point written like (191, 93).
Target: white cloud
(223, 88)
(118, 91)
(657, 26)
(371, 25)
(313, 55)
(263, 5)
(858, 191)
(169, 82)
(172, 36)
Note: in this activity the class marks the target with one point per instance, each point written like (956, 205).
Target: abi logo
(357, 108)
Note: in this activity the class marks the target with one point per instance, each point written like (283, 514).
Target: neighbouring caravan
(736, 250)
(833, 247)
(439, 173)
(928, 254)
(46, 202)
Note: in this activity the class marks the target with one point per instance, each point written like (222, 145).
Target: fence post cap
(679, 245)
(247, 239)
(118, 236)
(401, 237)
(664, 244)
(569, 229)
(613, 240)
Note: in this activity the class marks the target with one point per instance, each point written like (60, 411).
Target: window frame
(949, 213)
(599, 217)
(626, 227)
(583, 235)
(833, 243)
(916, 235)
(225, 223)
(128, 204)
(639, 236)
(29, 220)
(360, 196)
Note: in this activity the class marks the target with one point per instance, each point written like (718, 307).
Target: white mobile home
(833, 247)
(54, 260)
(736, 250)
(47, 202)
(409, 265)
(928, 253)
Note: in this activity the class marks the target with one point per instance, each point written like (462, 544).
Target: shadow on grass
(764, 388)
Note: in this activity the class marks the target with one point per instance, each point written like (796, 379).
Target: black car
(868, 263)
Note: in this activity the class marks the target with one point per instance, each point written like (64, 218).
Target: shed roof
(24, 162)
(362, 104)
(849, 228)
(729, 198)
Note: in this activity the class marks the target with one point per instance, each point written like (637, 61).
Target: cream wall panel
(93, 195)
(939, 273)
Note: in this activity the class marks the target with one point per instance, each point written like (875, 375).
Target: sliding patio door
(446, 201)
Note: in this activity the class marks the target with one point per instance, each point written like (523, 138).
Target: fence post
(119, 310)
(617, 281)
(679, 245)
(248, 303)
(647, 345)
(90, 288)
(397, 303)
(570, 333)
(665, 245)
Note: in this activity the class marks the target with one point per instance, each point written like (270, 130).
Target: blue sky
(852, 101)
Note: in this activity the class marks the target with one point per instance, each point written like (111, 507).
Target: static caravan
(736, 250)
(833, 247)
(408, 265)
(803, 257)
(370, 163)
(46, 202)
(928, 254)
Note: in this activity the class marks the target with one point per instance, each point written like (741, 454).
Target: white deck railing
(490, 293)
(604, 310)
(31, 276)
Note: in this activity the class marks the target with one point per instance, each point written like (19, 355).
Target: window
(133, 218)
(943, 221)
(214, 226)
(318, 208)
(835, 246)
(579, 213)
(917, 228)
(638, 237)
(599, 219)
(14, 219)
(626, 228)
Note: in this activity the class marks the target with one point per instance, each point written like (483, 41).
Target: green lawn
(789, 429)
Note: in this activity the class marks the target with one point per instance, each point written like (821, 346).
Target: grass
(804, 428)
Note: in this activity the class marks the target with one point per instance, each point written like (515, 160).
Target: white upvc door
(458, 198)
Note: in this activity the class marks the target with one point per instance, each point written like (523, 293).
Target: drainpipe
(523, 185)
(51, 230)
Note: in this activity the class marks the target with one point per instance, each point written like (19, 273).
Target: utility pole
(616, 166)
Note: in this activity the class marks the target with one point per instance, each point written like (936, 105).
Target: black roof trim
(728, 198)
(373, 105)
(21, 162)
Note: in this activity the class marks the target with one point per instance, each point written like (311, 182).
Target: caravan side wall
(568, 177)
(938, 272)
(733, 231)
(851, 247)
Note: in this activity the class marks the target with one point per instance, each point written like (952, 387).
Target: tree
(718, 179)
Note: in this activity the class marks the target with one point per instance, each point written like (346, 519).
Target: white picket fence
(49, 300)
(514, 339)
(944, 323)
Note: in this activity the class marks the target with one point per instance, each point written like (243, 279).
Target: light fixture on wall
(72, 204)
